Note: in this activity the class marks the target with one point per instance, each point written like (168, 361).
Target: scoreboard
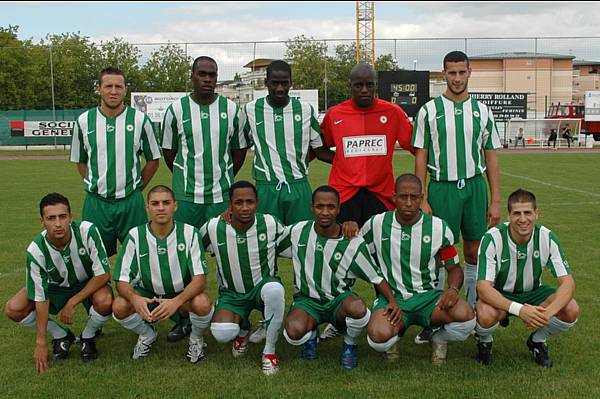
(409, 89)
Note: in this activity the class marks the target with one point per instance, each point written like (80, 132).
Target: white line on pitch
(552, 185)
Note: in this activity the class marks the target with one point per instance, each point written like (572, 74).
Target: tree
(120, 54)
(168, 69)
(307, 58)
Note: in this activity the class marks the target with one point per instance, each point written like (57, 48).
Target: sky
(194, 22)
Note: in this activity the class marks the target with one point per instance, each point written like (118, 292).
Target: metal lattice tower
(365, 32)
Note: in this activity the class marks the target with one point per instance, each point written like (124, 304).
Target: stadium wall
(6, 139)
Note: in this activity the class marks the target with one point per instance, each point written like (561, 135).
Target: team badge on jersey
(277, 118)
(536, 254)
(337, 256)
(405, 236)
(223, 115)
(383, 119)
(426, 239)
(476, 114)
(81, 251)
(262, 237)
(204, 115)
(129, 128)
(181, 247)
(297, 118)
(105, 262)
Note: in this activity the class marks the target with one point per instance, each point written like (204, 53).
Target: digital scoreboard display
(409, 89)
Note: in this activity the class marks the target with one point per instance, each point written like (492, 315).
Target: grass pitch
(568, 191)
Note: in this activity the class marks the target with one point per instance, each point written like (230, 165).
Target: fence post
(52, 87)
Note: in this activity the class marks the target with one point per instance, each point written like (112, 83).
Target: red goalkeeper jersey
(365, 139)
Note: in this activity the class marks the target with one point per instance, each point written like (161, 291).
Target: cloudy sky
(192, 22)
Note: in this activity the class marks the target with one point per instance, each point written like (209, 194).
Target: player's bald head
(363, 71)
(408, 178)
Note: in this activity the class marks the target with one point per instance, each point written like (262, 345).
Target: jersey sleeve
(204, 237)
(491, 137)
(327, 131)
(557, 262)
(97, 252)
(421, 136)
(448, 254)
(78, 153)
(487, 266)
(37, 280)
(245, 126)
(239, 139)
(363, 266)
(169, 133)
(284, 243)
(149, 143)
(405, 131)
(316, 138)
(196, 259)
(127, 269)
(366, 233)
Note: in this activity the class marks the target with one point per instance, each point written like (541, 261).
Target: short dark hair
(203, 58)
(408, 177)
(326, 189)
(455, 56)
(279, 65)
(160, 188)
(241, 184)
(521, 195)
(110, 70)
(53, 199)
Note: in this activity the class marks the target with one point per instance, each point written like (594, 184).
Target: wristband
(515, 308)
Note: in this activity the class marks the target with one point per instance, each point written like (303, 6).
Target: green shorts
(416, 310)
(464, 209)
(59, 296)
(534, 297)
(114, 217)
(198, 214)
(243, 304)
(177, 317)
(322, 311)
(290, 203)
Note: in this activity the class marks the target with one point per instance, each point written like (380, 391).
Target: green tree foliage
(168, 69)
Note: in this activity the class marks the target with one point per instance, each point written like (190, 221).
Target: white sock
(55, 329)
(94, 323)
(200, 323)
(224, 332)
(136, 324)
(485, 334)
(470, 283)
(273, 296)
(354, 327)
(382, 346)
(456, 331)
(554, 327)
(296, 342)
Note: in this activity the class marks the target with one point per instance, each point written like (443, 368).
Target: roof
(520, 54)
(584, 62)
(259, 62)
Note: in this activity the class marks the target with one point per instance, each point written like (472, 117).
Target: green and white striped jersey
(456, 135)
(165, 266)
(111, 147)
(83, 258)
(517, 268)
(407, 254)
(203, 136)
(326, 267)
(243, 258)
(282, 139)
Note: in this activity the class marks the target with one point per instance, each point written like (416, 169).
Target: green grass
(570, 206)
